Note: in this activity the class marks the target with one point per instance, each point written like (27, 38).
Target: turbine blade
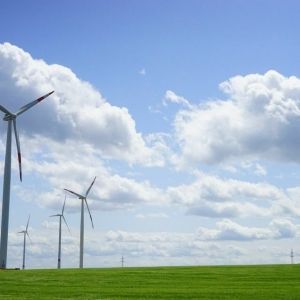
(66, 223)
(62, 212)
(29, 237)
(78, 195)
(27, 223)
(3, 109)
(18, 148)
(89, 212)
(54, 215)
(29, 105)
(21, 231)
(88, 190)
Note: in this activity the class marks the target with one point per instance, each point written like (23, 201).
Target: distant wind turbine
(292, 256)
(25, 233)
(11, 120)
(83, 200)
(61, 216)
(122, 261)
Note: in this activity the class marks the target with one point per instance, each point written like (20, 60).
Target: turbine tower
(61, 216)
(83, 200)
(25, 233)
(11, 121)
(122, 261)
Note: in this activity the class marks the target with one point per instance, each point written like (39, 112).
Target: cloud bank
(258, 120)
(76, 111)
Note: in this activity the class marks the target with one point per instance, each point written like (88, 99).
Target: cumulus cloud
(56, 170)
(171, 97)
(259, 119)
(206, 195)
(229, 230)
(215, 197)
(76, 111)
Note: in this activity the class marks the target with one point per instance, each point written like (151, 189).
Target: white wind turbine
(83, 200)
(25, 233)
(61, 216)
(11, 120)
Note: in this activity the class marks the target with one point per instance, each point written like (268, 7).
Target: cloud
(55, 170)
(284, 228)
(259, 119)
(76, 110)
(152, 216)
(215, 197)
(171, 97)
(206, 195)
(229, 230)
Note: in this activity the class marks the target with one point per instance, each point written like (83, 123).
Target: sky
(188, 113)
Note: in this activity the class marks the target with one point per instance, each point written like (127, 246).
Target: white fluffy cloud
(171, 97)
(215, 197)
(229, 230)
(76, 111)
(260, 119)
(59, 171)
(206, 195)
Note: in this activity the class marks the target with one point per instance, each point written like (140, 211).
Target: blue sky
(189, 119)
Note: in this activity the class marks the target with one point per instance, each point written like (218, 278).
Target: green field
(269, 282)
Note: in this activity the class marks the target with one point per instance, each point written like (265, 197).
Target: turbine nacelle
(9, 117)
(25, 232)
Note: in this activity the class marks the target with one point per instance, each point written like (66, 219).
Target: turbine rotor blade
(30, 104)
(29, 237)
(27, 224)
(54, 216)
(3, 109)
(88, 190)
(62, 212)
(89, 212)
(66, 223)
(18, 148)
(78, 195)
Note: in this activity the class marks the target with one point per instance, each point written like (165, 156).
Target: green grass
(269, 282)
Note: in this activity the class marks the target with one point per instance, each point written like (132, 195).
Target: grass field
(269, 282)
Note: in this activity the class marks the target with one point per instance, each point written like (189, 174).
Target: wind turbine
(83, 200)
(25, 233)
(11, 120)
(61, 216)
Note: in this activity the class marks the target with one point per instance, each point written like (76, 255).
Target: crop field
(219, 282)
